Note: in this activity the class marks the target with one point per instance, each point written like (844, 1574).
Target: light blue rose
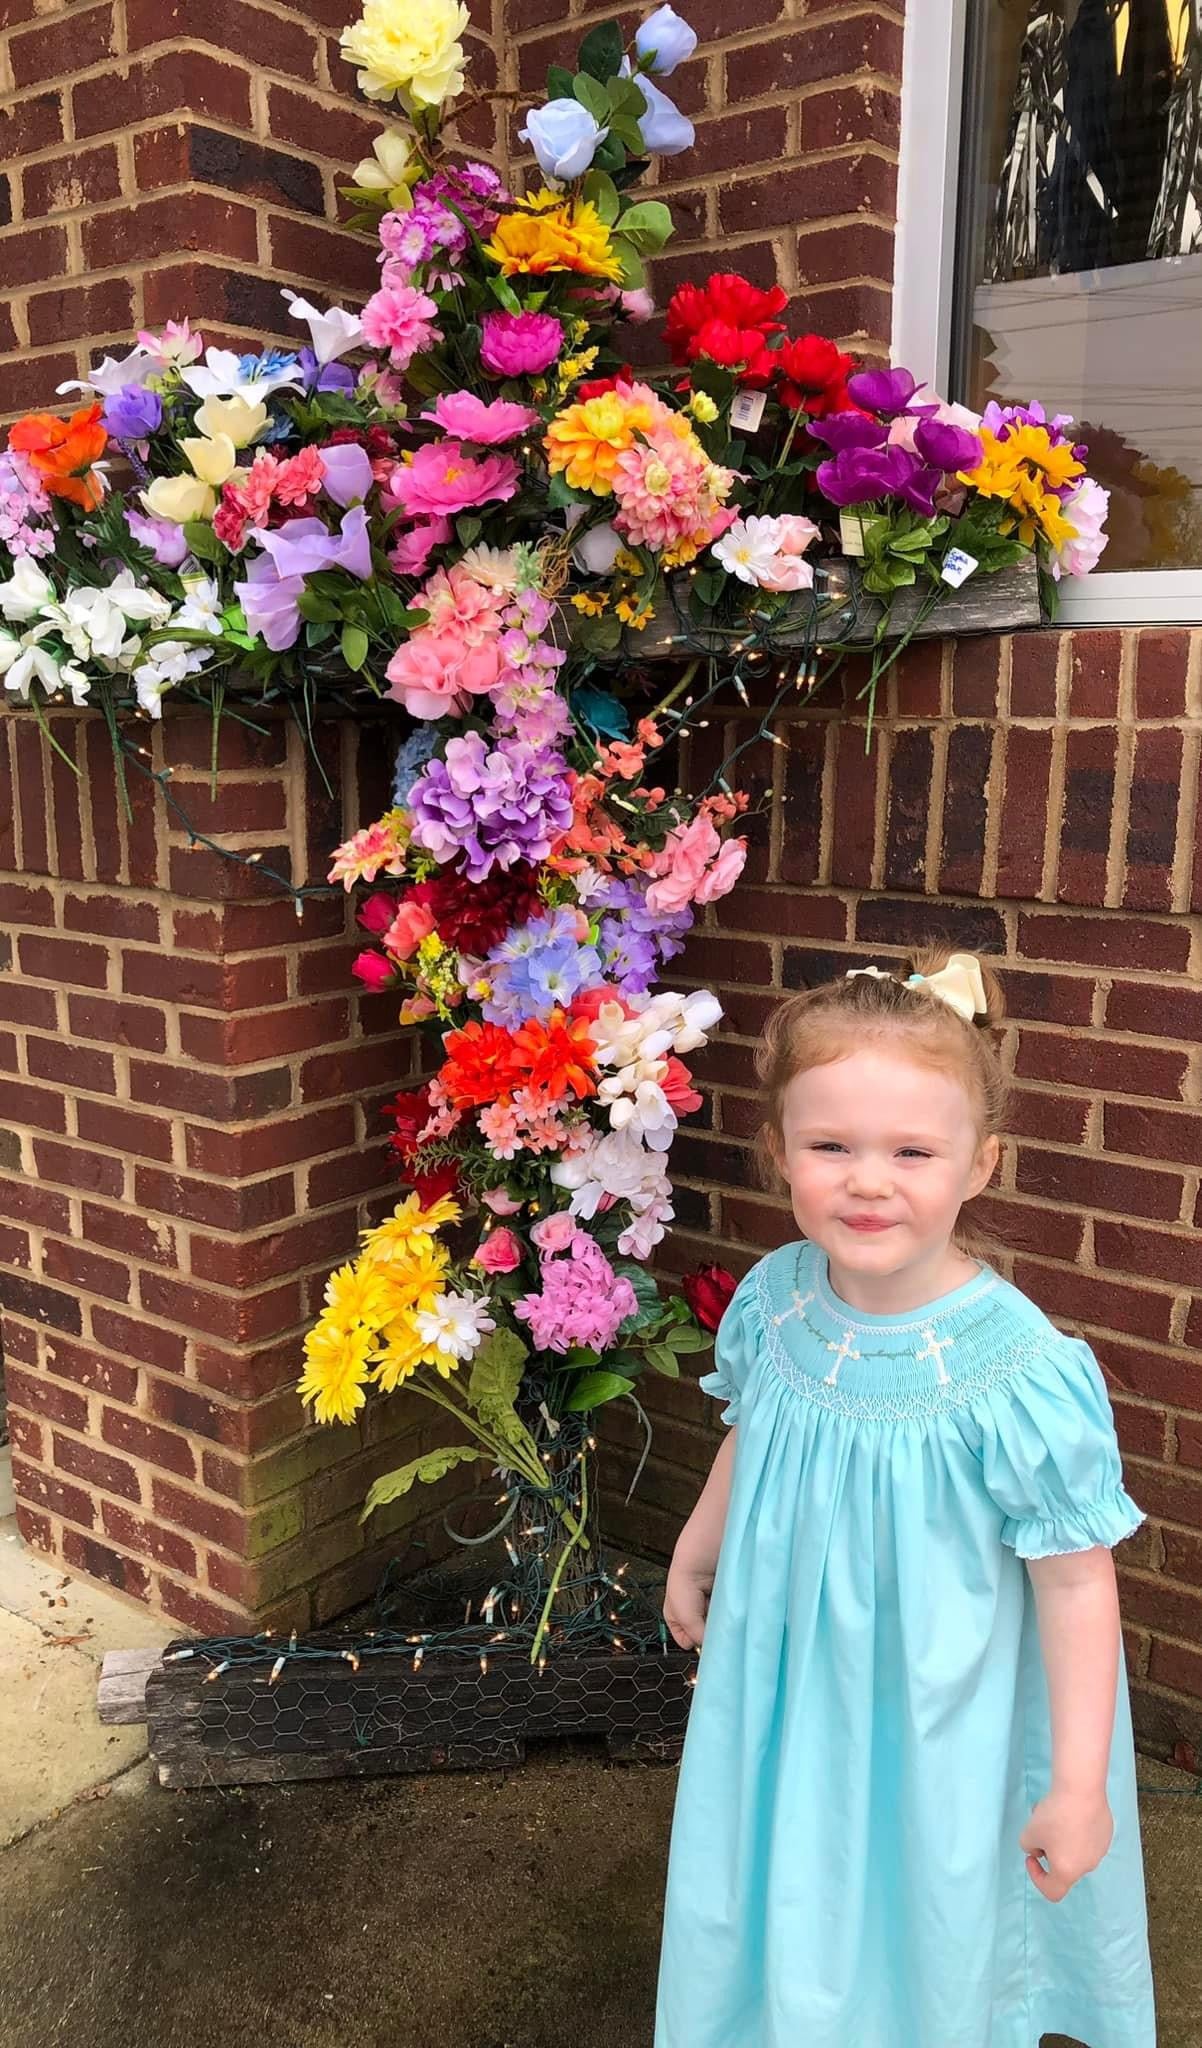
(666, 40)
(664, 129)
(564, 137)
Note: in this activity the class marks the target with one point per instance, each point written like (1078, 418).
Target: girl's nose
(868, 1181)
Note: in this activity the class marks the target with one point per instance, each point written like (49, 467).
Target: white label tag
(851, 532)
(957, 567)
(747, 410)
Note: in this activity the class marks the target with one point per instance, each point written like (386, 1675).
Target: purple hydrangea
(491, 807)
(635, 941)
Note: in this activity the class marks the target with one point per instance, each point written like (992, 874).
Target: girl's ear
(986, 1164)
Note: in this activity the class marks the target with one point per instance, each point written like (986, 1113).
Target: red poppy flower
(63, 451)
(814, 375)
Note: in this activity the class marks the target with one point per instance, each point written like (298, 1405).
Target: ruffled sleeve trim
(720, 1387)
(1104, 1523)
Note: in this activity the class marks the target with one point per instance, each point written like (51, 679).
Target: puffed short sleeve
(736, 1347)
(1051, 1457)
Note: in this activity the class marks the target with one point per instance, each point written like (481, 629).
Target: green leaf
(435, 1465)
(596, 1388)
(582, 1358)
(560, 493)
(601, 51)
(504, 294)
(312, 605)
(468, 529)
(625, 130)
(646, 1293)
(633, 273)
(354, 646)
(647, 224)
(601, 192)
(559, 82)
(610, 156)
(684, 1338)
(592, 97)
(661, 1359)
(203, 542)
(496, 1371)
(626, 97)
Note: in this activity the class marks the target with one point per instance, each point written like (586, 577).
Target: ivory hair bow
(959, 983)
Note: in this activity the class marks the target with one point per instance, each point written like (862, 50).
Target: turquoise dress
(870, 1728)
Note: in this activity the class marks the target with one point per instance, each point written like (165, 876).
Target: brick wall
(168, 157)
(1036, 797)
(190, 1087)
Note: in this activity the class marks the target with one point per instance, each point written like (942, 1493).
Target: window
(1050, 246)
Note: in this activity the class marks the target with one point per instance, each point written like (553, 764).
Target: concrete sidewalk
(54, 1632)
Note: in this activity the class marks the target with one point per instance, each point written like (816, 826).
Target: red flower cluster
(485, 1063)
(727, 320)
(475, 916)
(411, 1112)
(708, 1292)
(596, 387)
(813, 376)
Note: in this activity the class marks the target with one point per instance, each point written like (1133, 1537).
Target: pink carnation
(499, 1252)
(472, 419)
(441, 480)
(300, 477)
(398, 318)
(519, 344)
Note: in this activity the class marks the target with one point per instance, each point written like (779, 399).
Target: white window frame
(924, 283)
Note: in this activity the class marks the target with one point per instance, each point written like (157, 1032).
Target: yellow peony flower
(179, 499)
(409, 48)
(554, 234)
(703, 408)
(585, 441)
(335, 1371)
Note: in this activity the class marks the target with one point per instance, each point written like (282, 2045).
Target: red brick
(26, 1438)
(269, 1034)
(1152, 821)
(1189, 1441)
(62, 47)
(856, 771)
(146, 1440)
(68, 962)
(240, 1154)
(179, 220)
(33, 256)
(104, 1123)
(77, 1167)
(139, 1339)
(1024, 812)
(1140, 1430)
(1087, 815)
(190, 81)
(1027, 1226)
(234, 163)
(1104, 941)
(830, 255)
(22, 1342)
(188, 742)
(1176, 1666)
(300, 249)
(1152, 1133)
(14, 1246)
(20, 904)
(124, 1231)
(44, 1490)
(243, 30)
(65, 184)
(40, 1396)
(736, 141)
(21, 1004)
(95, 1559)
(36, 1529)
(1169, 1494)
(30, 124)
(859, 113)
(851, 184)
(1099, 1302)
(165, 1546)
(909, 804)
(1159, 1604)
(1033, 660)
(205, 1617)
(359, 1172)
(1153, 1254)
(99, 1468)
(1156, 1010)
(866, 42)
(1079, 1062)
(226, 1098)
(242, 1318)
(1097, 1183)
(36, 1108)
(1047, 998)
(30, 783)
(194, 1511)
(65, 798)
(970, 750)
(1160, 675)
(86, 1269)
(205, 984)
(323, 127)
(117, 1023)
(75, 1066)
(87, 1368)
(1094, 676)
(211, 1202)
(112, 916)
(248, 1375)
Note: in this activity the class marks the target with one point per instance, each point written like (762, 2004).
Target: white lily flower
(27, 591)
(115, 372)
(201, 608)
(221, 376)
(167, 663)
(333, 334)
(24, 661)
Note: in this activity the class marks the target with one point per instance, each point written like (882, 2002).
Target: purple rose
(947, 447)
(348, 472)
(862, 474)
(133, 413)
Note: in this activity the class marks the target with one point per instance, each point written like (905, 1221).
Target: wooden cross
(936, 1346)
(843, 1351)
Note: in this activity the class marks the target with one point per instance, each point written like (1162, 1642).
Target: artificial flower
(333, 333)
(443, 480)
(581, 1301)
(226, 375)
(399, 318)
(519, 344)
(62, 453)
(708, 1291)
(566, 235)
(408, 50)
(468, 418)
(335, 1374)
(1085, 518)
(564, 137)
(499, 1252)
(180, 499)
(390, 168)
(375, 850)
(454, 1326)
(812, 375)
(585, 441)
(664, 129)
(664, 40)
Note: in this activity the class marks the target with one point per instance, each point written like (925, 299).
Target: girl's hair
(843, 1016)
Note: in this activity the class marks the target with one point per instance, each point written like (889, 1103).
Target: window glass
(1080, 246)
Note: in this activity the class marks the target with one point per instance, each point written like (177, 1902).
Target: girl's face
(880, 1154)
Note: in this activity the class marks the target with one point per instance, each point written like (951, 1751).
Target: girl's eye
(912, 1152)
(828, 1145)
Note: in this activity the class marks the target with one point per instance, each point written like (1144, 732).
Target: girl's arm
(695, 1558)
(1076, 1601)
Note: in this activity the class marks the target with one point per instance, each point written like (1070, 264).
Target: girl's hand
(686, 1603)
(1067, 1835)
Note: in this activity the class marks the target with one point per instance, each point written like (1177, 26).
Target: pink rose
(373, 970)
(376, 913)
(789, 572)
(412, 551)
(409, 927)
(637, 306)
(499, 1252)
(796, 534)
(555, 1233)
(721, 878)
(432, 669)
(500, 1201)
(681, 864)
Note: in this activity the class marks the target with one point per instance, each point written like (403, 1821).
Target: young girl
(899, 1825)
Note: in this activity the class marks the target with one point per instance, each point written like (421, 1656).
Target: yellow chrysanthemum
(408, 48)
(413, 1282)
(592, 607)
(399, 1359)
(553, 234)
(1025, 471)
(573, 368)
(355, 1294)
(409, 1220)
(585, 441)
(335, 1370)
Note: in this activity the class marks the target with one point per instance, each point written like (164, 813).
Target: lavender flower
(537, 967)
(491, 808)
(133, 413)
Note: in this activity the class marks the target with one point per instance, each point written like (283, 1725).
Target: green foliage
(600, 53)
(595, 1389)
(434, 1466)
(354, 646)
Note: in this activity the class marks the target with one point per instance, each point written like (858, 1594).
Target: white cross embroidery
(843, 1351)
(800, 1304)
(936, 1346)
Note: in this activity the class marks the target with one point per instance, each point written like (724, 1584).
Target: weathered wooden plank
(322, 1719)
(121, 1693)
